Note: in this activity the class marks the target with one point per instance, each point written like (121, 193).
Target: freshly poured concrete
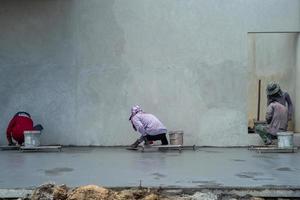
(235, 167)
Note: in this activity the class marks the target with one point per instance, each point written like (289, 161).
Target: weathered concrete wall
(297, 91)
(78, 66)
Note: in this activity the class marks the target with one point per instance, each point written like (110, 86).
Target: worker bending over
(274, 93)
(149, 126)
(277, 114)
(18, 124)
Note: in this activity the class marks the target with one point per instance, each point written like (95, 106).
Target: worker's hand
(11, 144)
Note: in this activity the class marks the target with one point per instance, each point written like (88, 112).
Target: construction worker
(149, 126)
(277, 114)
(18, 124)
(274, 93)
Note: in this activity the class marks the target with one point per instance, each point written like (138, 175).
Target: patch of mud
(249, 174)
(263, 179)
(158, 175)
(253, 173)
(244, 176)
(238, 160)
(284, 169)
(58, 171)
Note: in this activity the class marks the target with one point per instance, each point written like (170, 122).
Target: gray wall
(297, 91)
(78, 66)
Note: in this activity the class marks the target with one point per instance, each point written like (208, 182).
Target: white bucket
(285, 139)
(176, 137)
(32, 138)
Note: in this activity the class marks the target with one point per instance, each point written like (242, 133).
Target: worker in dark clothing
(18, 124)
(274, 93)
(277, 118)
(279, 112)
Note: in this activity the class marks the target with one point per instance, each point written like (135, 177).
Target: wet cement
(228, 167)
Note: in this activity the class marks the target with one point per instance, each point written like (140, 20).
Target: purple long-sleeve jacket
(277, 118)
(284, 99)
(148, 124)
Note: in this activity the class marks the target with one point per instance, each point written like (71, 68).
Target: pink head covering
(134, 110)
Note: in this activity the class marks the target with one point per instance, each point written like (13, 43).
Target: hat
(272, 88)
(134, 110)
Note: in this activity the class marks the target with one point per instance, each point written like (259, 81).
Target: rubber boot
(135, 144)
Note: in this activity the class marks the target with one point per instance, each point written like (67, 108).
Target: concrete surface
(208, 167)
(78, 66)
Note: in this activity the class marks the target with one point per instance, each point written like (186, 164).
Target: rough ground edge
(267, 191)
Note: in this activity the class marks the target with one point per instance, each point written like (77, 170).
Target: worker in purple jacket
(150, 128)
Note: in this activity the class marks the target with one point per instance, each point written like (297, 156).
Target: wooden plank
(161, 147)
(274, 150)
(261, 146)
(40, 148)
(9, 148)
(167, 146)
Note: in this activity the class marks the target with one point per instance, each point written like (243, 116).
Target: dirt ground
(94, 192)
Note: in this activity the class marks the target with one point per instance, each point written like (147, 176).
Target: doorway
(271, 57)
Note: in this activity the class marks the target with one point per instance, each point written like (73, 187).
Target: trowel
(132, 148)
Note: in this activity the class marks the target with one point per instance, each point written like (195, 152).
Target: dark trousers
(264, 134)
(162, 137)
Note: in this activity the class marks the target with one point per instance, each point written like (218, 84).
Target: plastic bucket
(32, 138)
(176, 137)
(285, 139)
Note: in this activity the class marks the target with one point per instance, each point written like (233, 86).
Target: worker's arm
(269, 100)
(134, 128)
(269, 113)
(290, 105)
(9, 131)
(138, 125)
